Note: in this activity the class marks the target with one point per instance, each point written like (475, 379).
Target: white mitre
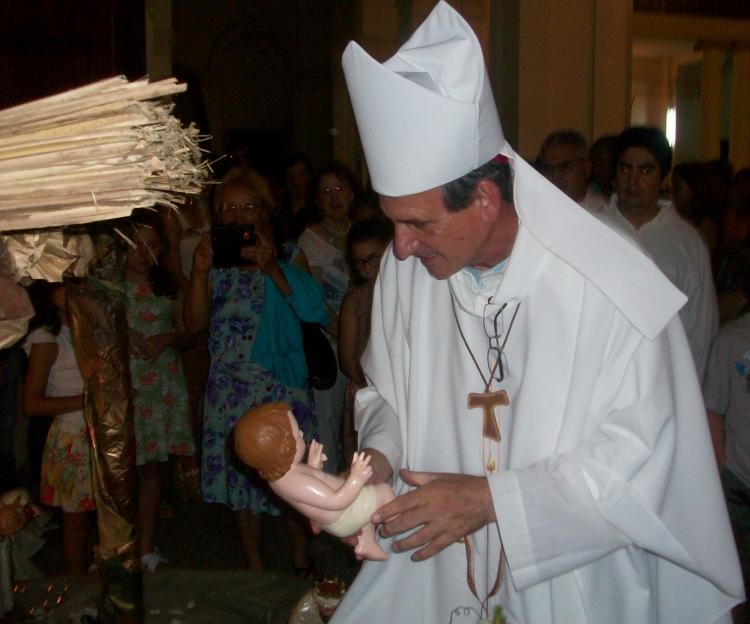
(426, 116)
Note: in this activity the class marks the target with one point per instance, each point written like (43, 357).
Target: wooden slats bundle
(95, 152)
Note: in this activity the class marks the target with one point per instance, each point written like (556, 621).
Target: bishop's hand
(444, 509)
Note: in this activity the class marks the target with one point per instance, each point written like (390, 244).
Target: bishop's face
(443, 241)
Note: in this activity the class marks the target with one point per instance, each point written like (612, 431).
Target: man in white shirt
(564, 161)
(644, 158)
(527, 380)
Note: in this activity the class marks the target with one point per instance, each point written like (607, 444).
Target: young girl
(160, 406)
(365, 246)
(54, 387)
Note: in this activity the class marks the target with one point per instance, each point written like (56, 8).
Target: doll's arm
(299, 486)
(316, 457)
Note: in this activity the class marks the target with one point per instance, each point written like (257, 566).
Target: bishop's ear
(491, 203)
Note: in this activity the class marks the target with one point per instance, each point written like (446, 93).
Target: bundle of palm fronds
(94, 153)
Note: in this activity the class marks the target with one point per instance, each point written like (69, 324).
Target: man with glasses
(643, 159)
(564, 161)
(529, 381)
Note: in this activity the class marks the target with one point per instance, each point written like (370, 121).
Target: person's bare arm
(173, 230)
(184, 339)
(347, 343)
(150, 348)
(196, 307)
(718, 436)
(263, 253)
(300, 260)
(35, 399)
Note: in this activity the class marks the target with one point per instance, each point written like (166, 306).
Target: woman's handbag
(322, 368)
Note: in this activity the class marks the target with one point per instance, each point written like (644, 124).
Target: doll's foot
(370, 551)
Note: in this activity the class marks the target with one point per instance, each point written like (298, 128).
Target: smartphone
(227, 242)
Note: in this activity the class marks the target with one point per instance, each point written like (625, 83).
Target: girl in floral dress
(54, 387)
(161, 415)
(253, 314)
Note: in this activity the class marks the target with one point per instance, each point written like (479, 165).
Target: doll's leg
(367, 546)
(383, 494)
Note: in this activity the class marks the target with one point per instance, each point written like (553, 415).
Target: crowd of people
(709, 196)
(693, 222)
(595, 355)
(208, 341)
(235, 331)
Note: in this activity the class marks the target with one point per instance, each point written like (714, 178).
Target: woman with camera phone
(252, 312)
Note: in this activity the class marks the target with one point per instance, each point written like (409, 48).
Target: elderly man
(644, 158)
(564, 161)
(528, 385)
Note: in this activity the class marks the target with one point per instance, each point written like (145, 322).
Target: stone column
(611, 60)
(573, 68)
(159, 39)
(710, 100)
(739, 120)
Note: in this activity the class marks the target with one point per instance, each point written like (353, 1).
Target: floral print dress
(161, 415)
(235, 383)
(66, 464)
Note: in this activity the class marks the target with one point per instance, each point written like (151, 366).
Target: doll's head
(264, 440)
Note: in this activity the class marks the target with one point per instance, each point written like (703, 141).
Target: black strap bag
(321, 362)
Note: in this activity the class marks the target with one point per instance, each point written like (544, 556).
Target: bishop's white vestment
(607, 497)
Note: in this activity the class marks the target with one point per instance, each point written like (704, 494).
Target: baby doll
(268, 439)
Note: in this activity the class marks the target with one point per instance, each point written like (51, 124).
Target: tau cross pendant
(487, 401)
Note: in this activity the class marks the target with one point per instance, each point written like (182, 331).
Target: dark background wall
(259, 72)
(48, 46)
(262, 70)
